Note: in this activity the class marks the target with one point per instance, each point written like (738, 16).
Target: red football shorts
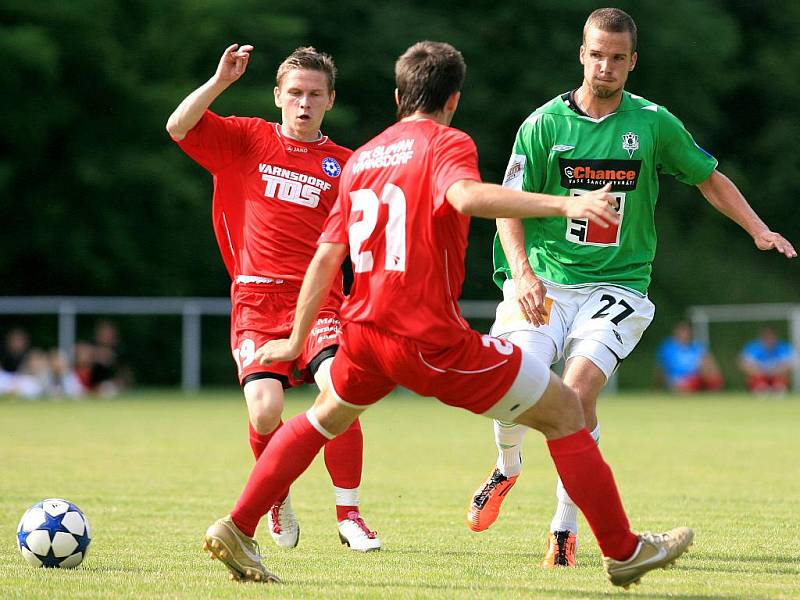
(477, 374)
(262, 312)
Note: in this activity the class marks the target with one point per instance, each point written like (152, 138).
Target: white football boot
(654, 551)
(283, 525)
(354, 533)
(238, 552)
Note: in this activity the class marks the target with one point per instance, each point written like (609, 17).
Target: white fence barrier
(191, 309)
(702, 316)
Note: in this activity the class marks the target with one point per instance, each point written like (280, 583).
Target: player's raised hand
(276, 351)
(769, 240)
(530, 297)
(233, 63)
(598, 206)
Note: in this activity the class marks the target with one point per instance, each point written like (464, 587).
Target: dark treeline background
(96, 200)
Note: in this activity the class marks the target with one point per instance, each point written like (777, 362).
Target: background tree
(96, 200)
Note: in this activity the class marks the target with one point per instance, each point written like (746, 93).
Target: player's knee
(265, 422)
(334, 416)
(587, 402)
(557, 413)
(571, 401)
(265, 409)
(568, 417)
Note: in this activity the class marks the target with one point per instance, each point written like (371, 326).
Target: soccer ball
(54, 533)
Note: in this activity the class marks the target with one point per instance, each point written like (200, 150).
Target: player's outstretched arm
(231, 67)
(723, 195)
(321, 273)
(492, 201)
(530, 289)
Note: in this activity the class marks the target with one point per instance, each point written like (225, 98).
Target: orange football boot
(485, 504)
(561, 547)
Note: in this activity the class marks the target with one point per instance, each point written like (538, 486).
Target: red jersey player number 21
(406, 243)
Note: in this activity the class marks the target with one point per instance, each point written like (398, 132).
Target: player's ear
(452, 102)
(331, 100)
(581, 50)
(277, 94)
(634, 57)
(397, 97)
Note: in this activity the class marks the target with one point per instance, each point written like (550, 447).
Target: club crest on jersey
(331, 166)
(630, 142)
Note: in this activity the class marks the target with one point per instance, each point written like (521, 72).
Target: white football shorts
(601, 322)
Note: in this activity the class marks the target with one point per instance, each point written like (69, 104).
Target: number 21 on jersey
(360, 233)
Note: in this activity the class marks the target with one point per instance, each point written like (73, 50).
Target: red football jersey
(407, 243)
(272, 193)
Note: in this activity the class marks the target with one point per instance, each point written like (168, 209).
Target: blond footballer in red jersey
(403, 209)
(274, 185)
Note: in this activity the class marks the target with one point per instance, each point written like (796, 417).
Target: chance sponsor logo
(591, 174)
(290, 186)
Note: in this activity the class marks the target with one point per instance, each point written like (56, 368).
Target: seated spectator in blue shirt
(767, 363)
(685, 364)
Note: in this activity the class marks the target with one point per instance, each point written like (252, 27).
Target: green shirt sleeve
(678, 154)
(530, 143)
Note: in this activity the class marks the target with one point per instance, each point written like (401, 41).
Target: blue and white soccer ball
(54, 533)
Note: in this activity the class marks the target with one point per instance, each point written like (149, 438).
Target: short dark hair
(426, 75)
(307, 57)
(613, 20)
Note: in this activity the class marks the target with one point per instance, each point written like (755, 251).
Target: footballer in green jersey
(576, 290)
(561, 150)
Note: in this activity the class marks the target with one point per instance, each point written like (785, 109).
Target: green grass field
(152, 471)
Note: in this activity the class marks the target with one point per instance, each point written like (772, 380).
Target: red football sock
(289, 453)
(343, 512)
(259, 441)
(590, 483)
(343, 457)
(344, 460)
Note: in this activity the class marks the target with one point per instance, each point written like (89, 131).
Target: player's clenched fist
(598, 206)
(233, 63)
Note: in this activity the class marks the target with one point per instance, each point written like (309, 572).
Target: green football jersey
(560, 150)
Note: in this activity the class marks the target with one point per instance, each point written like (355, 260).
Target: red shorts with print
(473, 374)
(262, 312)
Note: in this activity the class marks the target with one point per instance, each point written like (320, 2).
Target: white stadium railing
(191, 309)
(702, 316)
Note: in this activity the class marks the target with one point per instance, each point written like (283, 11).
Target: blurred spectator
(84, 358)
(16, 347)
(44, 374)
(105, 376)
(64, 380)
(685, 364)
(767, 363)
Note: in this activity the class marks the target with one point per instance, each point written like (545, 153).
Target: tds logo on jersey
(582, 175)
(290, 186)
